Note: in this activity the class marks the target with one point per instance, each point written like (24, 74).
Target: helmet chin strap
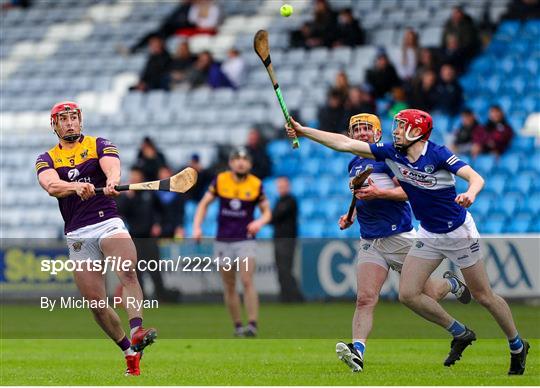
(413, 140)
(69, 138)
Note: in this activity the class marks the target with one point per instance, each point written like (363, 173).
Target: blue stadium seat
(534, 226)
(507, 30)
(520, 223)
(523, 143)
(520, 182)
(484, 164)
(508, 204)
(509, 162)
(493, 224)
(307, 207)
(278, 148)
(532, 203)
(313, 228)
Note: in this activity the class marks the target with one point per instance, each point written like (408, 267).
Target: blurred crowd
(423, 77)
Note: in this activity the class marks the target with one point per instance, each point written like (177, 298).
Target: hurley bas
(72, 302)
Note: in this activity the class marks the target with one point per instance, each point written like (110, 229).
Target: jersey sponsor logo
(235, 204)
(429, 168)
(73, 174)
(421, 179)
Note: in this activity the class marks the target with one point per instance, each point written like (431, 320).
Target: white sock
(132, 331)
(129, 352)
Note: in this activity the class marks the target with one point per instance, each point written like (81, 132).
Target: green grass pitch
(295, 347)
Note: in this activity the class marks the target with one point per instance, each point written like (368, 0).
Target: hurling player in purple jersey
(70, 171)
(426, 172)
(387, 236)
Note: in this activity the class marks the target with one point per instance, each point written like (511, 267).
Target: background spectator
(170, 209)
(256, 146)
(341, 84)
(426, 61)
(423, 94)
(495, 136)
(448, 92)
(410, 51)
(462, 26)
(398, 101)
(204, 178)
(181, 63)
(463, 135)
(324, 24)
(150, 159)
(234, 67)
(331, 117)
(284, 220)
(359, 101)
(138, 209)
(156, 70)
(178, 19)
(453, 54)
(348, 30)
(523, 10)
(204, 15)
(382, 77)
(207, 72)
(303, 37)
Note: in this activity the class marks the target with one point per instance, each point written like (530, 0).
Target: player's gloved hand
(343, 222)
(109, 190)
(294, 130)
(371, 191)
(465, 199)
(84, 190)
(254, 227)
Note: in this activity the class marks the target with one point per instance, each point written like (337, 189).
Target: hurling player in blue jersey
(387, 236)
(447, 231)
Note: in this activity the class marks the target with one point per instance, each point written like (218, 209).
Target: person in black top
(284, 219)
(150, 159)
(137, 208)
(170, 210)
(156, 70)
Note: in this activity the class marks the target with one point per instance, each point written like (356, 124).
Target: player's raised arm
(476, 183)
(200, 213)
(335, 141)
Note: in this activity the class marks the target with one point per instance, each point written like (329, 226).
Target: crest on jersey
(419, 244)
(429, 168)
(77, 246)
(73, 174)
(84, 154)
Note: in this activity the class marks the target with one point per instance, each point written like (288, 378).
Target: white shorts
(388, 252)
(235, 249)
(85, 243)
(461, 246)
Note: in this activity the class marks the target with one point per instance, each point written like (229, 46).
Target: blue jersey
(380, 217)
(429, 183)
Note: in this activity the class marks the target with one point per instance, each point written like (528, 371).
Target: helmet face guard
(408, 120)
(369, 120)
(63, 108)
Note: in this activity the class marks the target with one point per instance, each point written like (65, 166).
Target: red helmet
(411, 119)
(65, 107)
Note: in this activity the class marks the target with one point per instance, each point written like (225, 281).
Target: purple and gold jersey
(81, 164)
(237, 201)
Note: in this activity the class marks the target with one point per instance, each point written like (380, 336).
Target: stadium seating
(52, 56)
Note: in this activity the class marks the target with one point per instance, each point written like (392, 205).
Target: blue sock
(456, 329)
(359, 346)
(516, 344)
(454, 285)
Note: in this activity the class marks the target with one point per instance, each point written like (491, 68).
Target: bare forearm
(395, 194)
(266, 217)
(199, 216)
(61, 189)
(476, 184)
(338, 142)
